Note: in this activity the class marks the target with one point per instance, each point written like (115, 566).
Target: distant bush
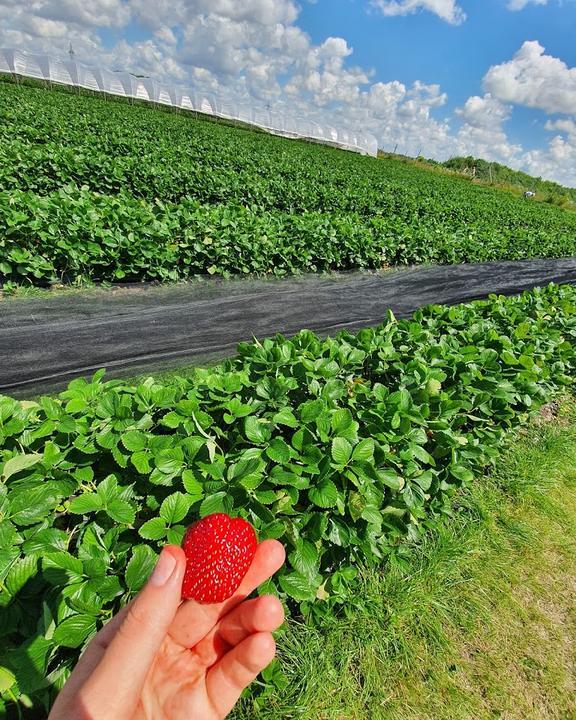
(498, 174)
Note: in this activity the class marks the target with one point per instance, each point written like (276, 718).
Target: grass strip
(477, 621)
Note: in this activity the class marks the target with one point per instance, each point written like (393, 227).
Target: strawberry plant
(108, 191)
(342, 448)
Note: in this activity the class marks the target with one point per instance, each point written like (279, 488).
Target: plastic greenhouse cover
(261, 117)
(164, 95)
(45, 342)
(185, 100)
(142, 89)
(88, 78)
(228, 109)
(5, 64)
(60, 73)
(204, 105)
(245, 113)
(123, 84)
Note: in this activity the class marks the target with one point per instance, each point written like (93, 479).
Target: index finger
(193, 620)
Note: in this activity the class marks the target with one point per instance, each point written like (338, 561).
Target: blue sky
(422, 46)
(491, 78)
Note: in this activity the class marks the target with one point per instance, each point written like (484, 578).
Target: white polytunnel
(73, 71)
(317, 130)
(332, 134)
(5, 66)
(183, 99)
(203, 104)
(261, 117)
(245, 113)
(165, 95)
(88, 78)
(60, 72)
(276, 121)
(371, 145)
(303, 127)
(228, 109)
(36, 66)
(124, 84)
(110, 82)
(128, 83)
(291, 125)
(142, 89)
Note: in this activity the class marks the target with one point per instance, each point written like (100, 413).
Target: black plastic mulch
(45, 342)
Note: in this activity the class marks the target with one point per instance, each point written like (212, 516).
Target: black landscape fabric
(46, 342)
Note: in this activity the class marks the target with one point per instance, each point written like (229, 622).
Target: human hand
(161, 658)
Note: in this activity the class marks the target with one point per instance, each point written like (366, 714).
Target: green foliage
(341, 448)
(107, 191)
(445, 631)
(496, 173)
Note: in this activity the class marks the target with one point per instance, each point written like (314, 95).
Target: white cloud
(180, 12)
(535, 80)
(320, 75)
(482, 133)
(447, 10)
(565, 125)
(558, 159)
(44, 27)
(165, 34)
(521, 4)
(95, 13)
(484, 112)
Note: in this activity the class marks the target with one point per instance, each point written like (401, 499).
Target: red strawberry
(219, 550)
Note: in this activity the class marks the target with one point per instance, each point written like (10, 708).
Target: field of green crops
(100, 189)
(344, 448)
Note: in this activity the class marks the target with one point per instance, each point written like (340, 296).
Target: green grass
(11, 291)
(476, 623)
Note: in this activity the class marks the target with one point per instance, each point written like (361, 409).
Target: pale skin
(161, 658)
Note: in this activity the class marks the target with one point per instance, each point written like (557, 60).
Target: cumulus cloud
(320, 75)
(180, 12)
(558, 159)
(165, 34)
(535, 80)
(44, 27)
(447, 10)
(482, 132)
(484, 112)
(96, 13)
(521, 4)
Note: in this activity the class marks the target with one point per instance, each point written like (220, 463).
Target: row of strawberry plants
(77, 234)
(51, 139)
(340, 448)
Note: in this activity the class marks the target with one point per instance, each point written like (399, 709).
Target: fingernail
(164, 569)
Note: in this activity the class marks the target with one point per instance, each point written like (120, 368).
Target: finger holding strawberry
(190, 641)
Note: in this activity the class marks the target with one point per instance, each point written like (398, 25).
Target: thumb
(115, 686)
